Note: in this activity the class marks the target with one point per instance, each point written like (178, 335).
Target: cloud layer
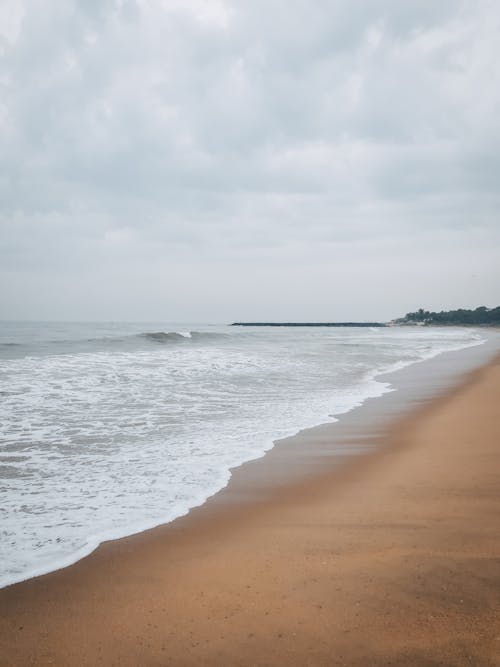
(217, 160)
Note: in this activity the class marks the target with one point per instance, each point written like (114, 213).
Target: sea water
(109, 429)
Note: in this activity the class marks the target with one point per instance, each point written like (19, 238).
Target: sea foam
(108, 432)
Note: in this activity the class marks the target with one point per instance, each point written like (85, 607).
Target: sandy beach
(390, 559)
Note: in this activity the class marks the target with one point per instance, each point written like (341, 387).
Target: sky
(212, 160)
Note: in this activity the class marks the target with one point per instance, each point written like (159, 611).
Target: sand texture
(392, 559)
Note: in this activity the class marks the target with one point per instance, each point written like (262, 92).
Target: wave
(84, 344)
(164, 336)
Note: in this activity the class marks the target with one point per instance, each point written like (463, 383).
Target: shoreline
(357, 432)
(154, 596)
(263, 474)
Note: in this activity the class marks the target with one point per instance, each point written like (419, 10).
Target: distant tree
(481, 315)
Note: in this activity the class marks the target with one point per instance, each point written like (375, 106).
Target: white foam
(104, 444)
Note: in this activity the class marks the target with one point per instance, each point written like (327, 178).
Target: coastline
(299, 450)
(291, 569)
(359, 431)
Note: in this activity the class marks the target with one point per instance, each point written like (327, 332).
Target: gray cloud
(256, 156)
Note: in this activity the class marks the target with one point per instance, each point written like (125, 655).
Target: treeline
(481, 315)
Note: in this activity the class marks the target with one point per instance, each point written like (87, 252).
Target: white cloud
(204, 133)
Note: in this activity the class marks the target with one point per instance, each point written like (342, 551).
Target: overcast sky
(191, 160)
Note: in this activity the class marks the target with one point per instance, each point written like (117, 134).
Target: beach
(249, 334)
(390, 558)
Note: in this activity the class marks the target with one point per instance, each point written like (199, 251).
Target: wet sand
(392, 557)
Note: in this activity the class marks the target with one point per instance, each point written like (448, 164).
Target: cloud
(146, 134)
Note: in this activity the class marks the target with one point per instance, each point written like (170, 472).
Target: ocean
(108, 429)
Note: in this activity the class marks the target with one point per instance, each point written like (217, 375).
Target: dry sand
(392, 559)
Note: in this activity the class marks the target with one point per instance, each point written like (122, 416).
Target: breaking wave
(117, 342)
(164, 336)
